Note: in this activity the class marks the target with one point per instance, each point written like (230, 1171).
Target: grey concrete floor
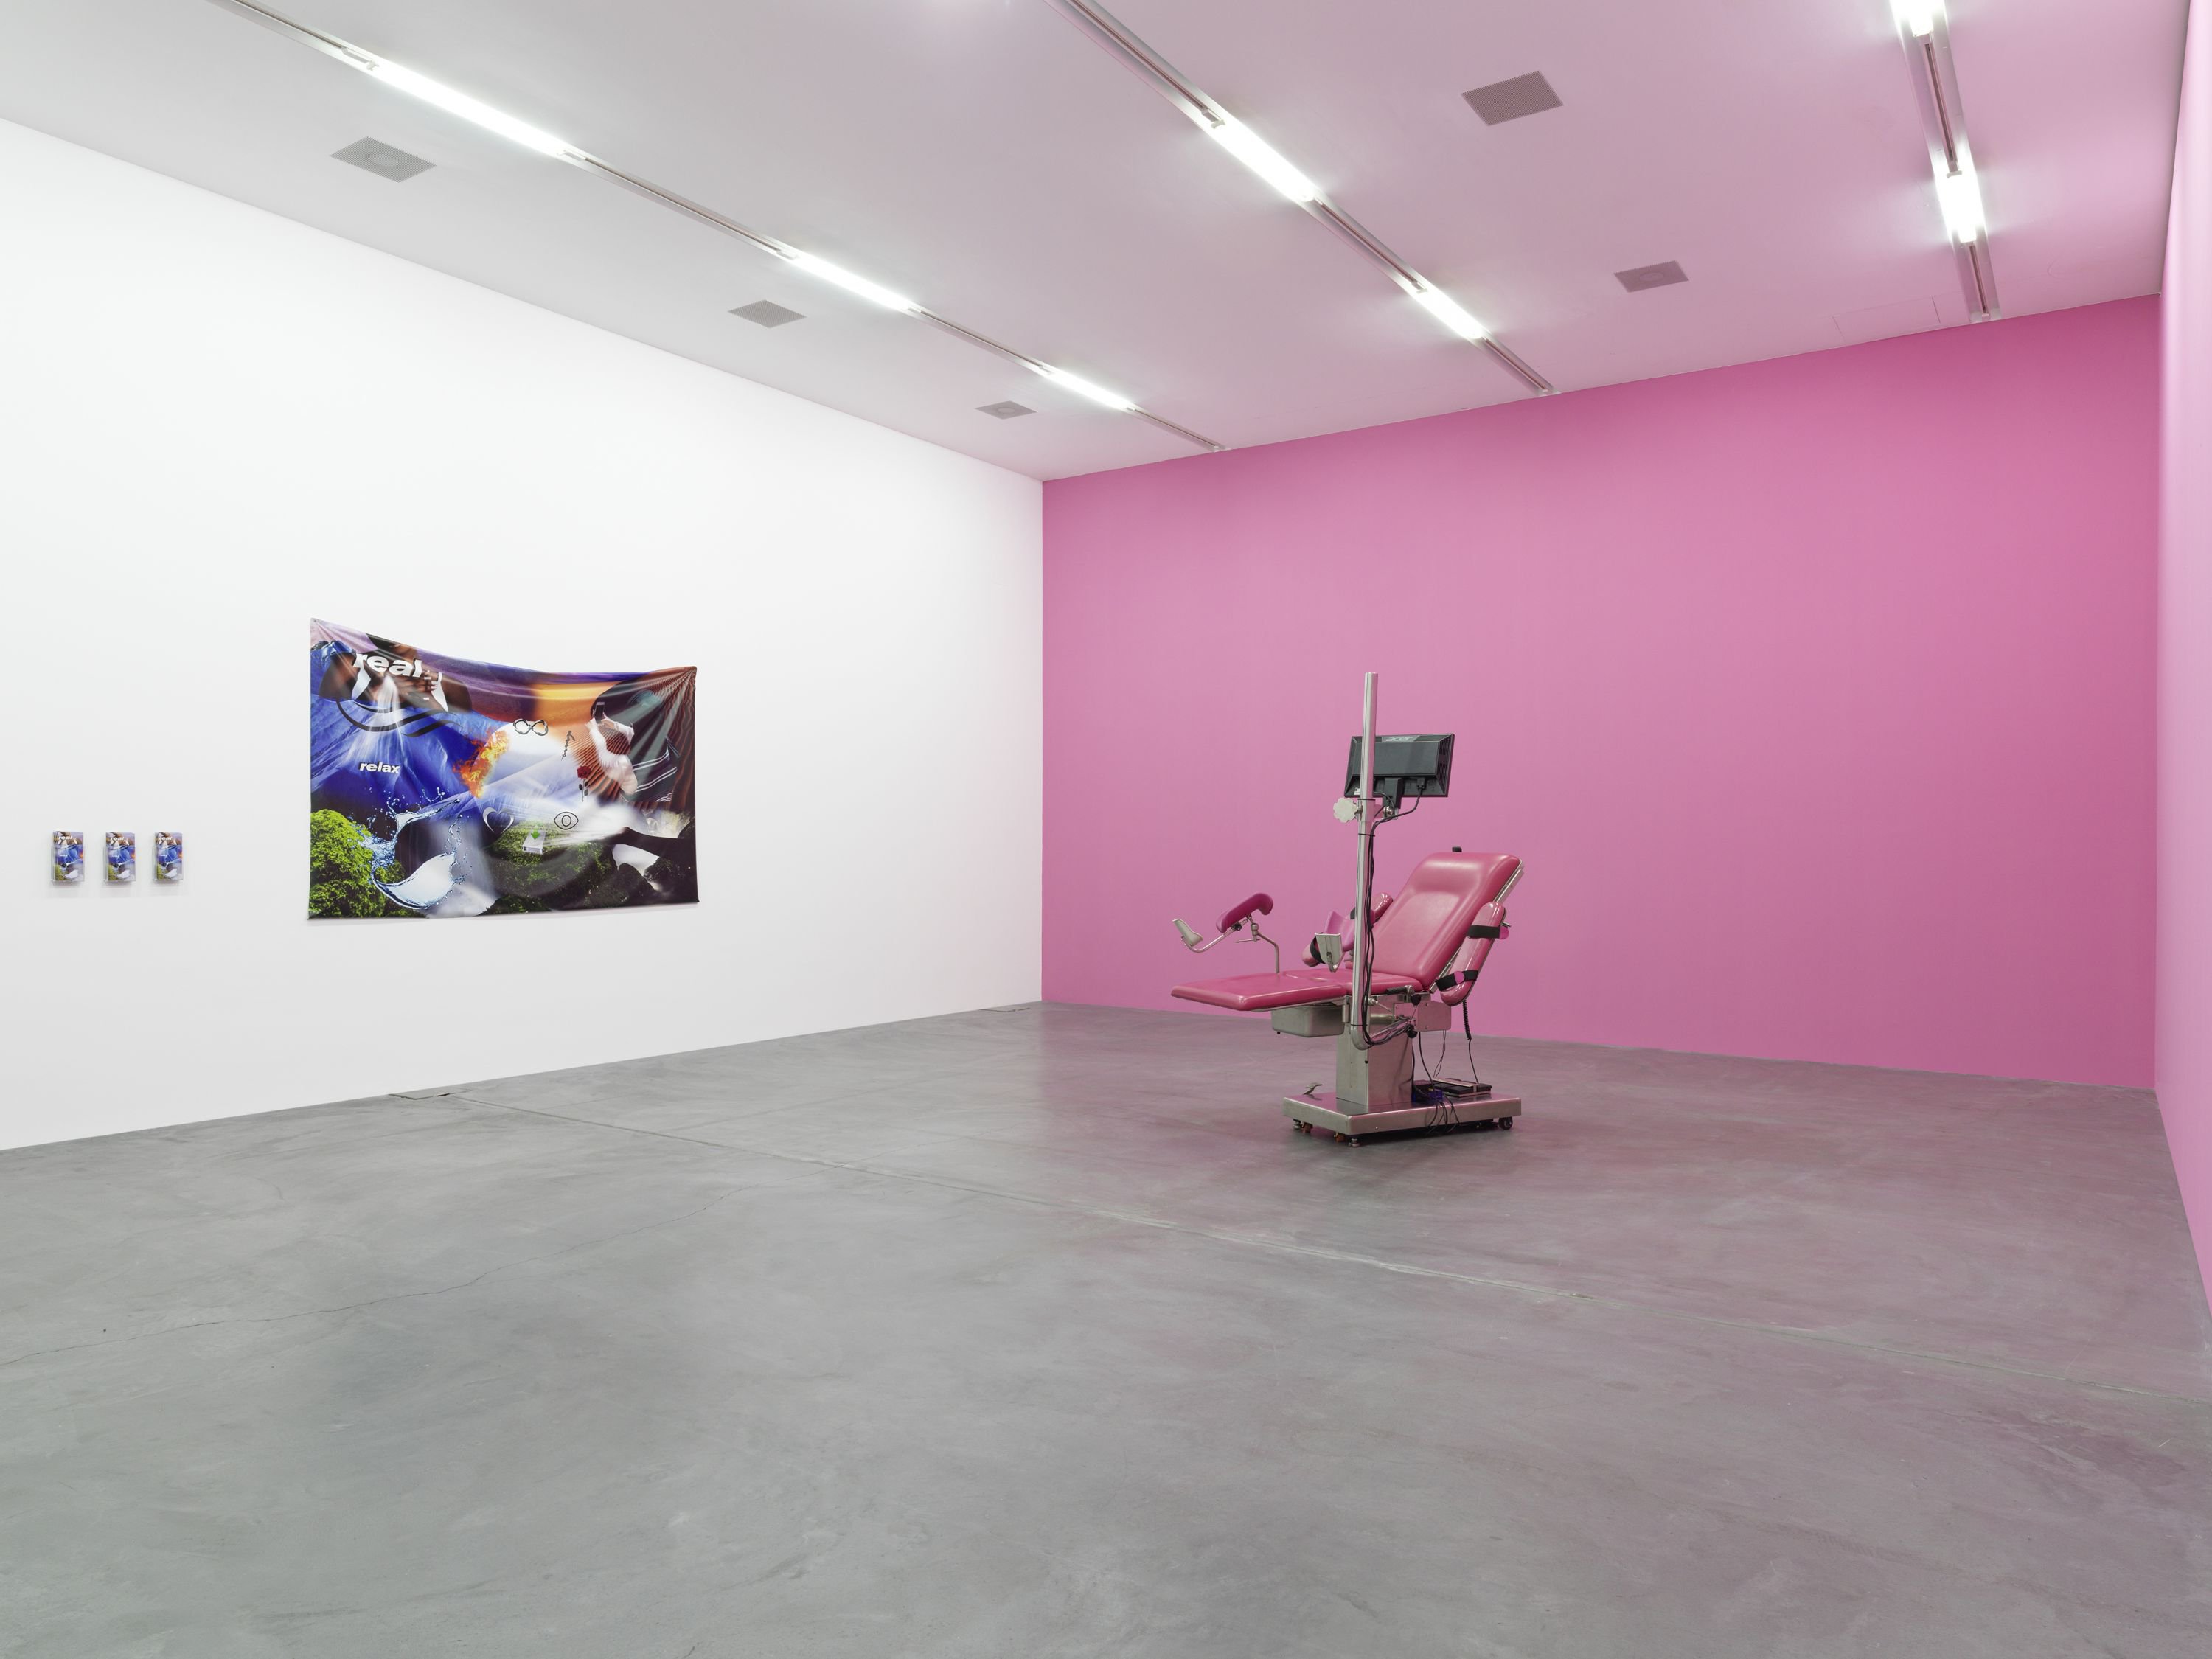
(1037, 1331)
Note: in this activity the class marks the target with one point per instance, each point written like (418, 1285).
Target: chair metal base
(1319, 1112)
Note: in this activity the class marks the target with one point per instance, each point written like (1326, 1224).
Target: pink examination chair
(1417, 955)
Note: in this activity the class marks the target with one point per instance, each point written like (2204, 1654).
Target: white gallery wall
(215, 423)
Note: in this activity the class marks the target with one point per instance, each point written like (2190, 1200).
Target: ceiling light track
(545, 144)
(767, 244)
(1110, 34)
(1925, 30)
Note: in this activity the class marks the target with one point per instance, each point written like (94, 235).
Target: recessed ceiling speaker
(385, 160)
(1508, 100)
(767, 313)
(1006, 412)
(1645, 276)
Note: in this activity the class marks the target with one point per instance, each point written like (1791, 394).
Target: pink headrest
(1258, 904)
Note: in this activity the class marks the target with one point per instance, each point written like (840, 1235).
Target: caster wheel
(1351, 1140)
(1504, 1122)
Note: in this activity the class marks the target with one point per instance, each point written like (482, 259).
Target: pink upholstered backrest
(1417, 936)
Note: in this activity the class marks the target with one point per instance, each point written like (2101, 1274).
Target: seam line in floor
(1323, 1253)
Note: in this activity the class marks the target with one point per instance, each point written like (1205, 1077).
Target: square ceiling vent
(1007, 410)
(1508, 100)
(1643, 276)
(768, 313)
(385, 160)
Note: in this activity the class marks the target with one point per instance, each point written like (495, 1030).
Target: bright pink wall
(1817, 693)
(2184, 692)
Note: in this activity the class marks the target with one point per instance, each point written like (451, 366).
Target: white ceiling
(983, 156)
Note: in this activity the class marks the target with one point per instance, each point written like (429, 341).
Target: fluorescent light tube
(813, 265)
(1917, 17)
(1082, 388)
(1448, 311)
(470, 109)
(1961, 197)
(1255, 153)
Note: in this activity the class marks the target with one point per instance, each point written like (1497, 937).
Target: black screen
(1418, 765)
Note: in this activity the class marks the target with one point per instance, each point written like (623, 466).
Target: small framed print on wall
(168, 855)
(122, 854)
(68, 855)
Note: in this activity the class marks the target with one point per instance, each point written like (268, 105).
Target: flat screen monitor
(1417, 765)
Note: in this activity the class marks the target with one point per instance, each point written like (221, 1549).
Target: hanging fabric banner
(444, 788)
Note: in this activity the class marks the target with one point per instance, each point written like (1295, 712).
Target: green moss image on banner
(341, 869)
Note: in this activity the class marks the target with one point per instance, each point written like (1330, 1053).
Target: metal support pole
(1363, 948)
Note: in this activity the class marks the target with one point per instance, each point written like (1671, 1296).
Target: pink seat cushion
(1250, 993)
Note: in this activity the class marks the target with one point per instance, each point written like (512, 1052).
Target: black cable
(1443, 1102)
(1467, 1025)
